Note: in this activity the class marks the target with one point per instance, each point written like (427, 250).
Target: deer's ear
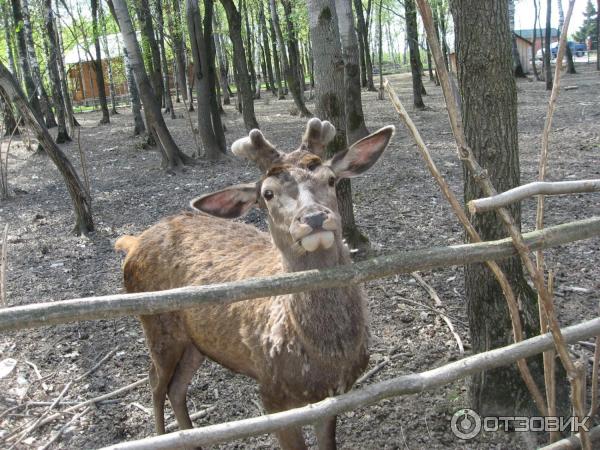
(361, 155)
(229, 203)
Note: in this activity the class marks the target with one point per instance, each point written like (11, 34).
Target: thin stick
(529, 190)
(402, 385)
(376, 368)
(432, 309)
(64, 427)
(511, 300)
(189, 117)
(38, 422)
(438, 303)
(595, 374)
(197, 415)
(98, 364)
(111, 306)
(3, 262)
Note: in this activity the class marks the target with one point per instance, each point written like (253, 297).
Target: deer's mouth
(319, 239)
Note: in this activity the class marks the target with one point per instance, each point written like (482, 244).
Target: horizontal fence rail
(402, 385)
(113, 306)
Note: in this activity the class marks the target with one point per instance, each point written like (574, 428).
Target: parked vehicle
(577, 49)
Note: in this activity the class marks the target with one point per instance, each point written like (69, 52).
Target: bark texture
(330, 98)
(489, 115)
(239, 58)
(415, 55)
(97, 63)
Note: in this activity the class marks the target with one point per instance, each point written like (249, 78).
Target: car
(577, 49)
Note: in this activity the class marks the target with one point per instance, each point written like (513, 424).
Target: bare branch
(402, 385)
(111, 306)
(529, 190)
(3, 262)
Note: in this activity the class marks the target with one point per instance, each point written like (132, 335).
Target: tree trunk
(363, 35)
(54, 71)
(244, 90)
(35, 68)
(355, 120)
(598, 35)
(174, 26)
(533, 51)
(7, 35)
(330, 97)
(439, 17)
(147, 32)
(72, 121)
(244, 11)
(415, 56)
(276, 62)
(80, 198)
(380, 93)
(215, 107)
(136, 107)
(10, 123)
(163, 59)
(517, 67)
(489, 115)
(111, 82)
(266, 49)
(32, 93)
(289, 65)
(173, 158)
(547, 54)
(222, 58)
(97, 63)
(561, 21)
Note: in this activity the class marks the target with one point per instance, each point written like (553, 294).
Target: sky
(524, 14)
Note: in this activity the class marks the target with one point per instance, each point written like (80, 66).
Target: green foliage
(589, 27)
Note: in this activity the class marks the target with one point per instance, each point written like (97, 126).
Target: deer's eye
(268, 195)
(331, 181)
(312, 166)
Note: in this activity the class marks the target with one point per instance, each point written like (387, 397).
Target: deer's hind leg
(184, 372)
(290, 438)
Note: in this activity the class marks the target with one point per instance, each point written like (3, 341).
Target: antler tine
(256, 148)
(317, 135)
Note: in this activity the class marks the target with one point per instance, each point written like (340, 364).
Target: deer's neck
(333, 320)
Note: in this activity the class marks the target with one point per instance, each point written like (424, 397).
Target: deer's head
(297, 188)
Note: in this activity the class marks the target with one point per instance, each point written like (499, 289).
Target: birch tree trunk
(163, 60)
(136, 107)
(355, 120)
(222, 58)
(32, 92)
(363, 35)
(239, 58)
(147, 31)
(35, 68)
(174, 26)
(266, 49)
(291, 78)
(276, 61)
(79, 197)
(330, 99)
(71, 120)
(173, 158)
(54, 71)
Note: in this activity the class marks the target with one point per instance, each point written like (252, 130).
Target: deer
(300, 348)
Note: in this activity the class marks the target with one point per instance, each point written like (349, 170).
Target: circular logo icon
(465, 424)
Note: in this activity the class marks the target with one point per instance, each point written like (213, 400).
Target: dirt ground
(397, 205)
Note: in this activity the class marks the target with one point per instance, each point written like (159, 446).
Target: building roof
(518, 36)
(528, 33)
(115, 50)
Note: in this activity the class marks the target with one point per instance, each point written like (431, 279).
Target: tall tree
(234, 21)
(173, 158)
(31, 89)
(79, 196)
(177, 44)
(266, 48)
(245, 12)
(136, 107)
(109, 66)
(547, 54)
(147, 31)
(489, 116)
(54, 71)
(355, 119)
(199, 45)
(222, 58)
(98, 66)
(276, 60)
(35, 67)
(363, 35)
(288, 68)
(163, 59)
(415, 55)
(517, 66)
(330, 99)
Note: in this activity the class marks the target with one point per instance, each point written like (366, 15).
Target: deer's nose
(315, 220)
